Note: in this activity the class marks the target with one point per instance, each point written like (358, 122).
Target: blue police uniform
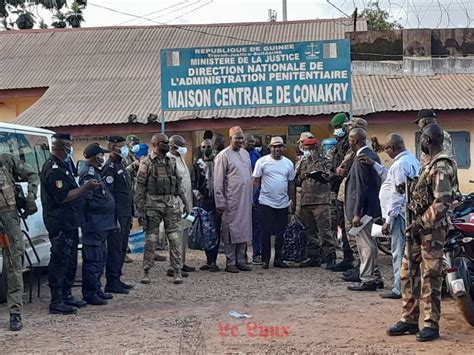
(62, 221)
(118, 181)
(100, 221)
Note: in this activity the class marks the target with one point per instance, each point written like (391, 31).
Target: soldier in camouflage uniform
(424, 118)
(430, 197)
(156, 196)
(315, 202)
(11, 170)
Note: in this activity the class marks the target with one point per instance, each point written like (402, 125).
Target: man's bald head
(434, 132)
(249, 142)
(177, 140)
(159, 144)
(159, 137)
(357, 139)
(396, 140)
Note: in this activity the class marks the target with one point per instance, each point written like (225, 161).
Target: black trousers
(274, 221)
(94, 256)
(63, 262)
(210, 206)
(117, 245)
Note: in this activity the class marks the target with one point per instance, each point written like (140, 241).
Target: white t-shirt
(275, 176)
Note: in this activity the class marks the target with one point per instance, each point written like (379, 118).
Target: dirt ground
(293, 311)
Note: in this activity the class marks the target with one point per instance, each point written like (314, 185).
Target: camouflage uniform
(12, 168)
(438, 180)
(316, 208)
(157, 193)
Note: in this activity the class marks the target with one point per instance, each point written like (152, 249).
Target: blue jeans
(397, 232)
(257, 230)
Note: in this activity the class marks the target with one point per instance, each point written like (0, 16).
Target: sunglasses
(205, 146)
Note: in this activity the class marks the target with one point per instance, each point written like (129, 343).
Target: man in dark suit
(361, 199)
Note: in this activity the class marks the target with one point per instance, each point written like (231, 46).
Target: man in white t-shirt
(275, 175)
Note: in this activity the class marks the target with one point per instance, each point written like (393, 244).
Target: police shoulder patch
(109, 179)
(59, 184)
(91, 171)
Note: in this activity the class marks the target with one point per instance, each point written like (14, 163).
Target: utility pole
(285, 14)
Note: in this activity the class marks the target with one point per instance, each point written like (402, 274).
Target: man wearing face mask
(203, 189)
(100, 222)
(178, 150)
(119, 183)
(157, 197)
(311, 176)
(63, 214)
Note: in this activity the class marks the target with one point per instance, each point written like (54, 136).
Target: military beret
(133, 138)
(116, 139)
(425, 113)
(94, 149)
(62, 136)
(310, 141)
(338, 119)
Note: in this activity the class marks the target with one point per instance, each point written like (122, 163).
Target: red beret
(310, 141)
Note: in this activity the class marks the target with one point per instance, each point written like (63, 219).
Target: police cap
(133, 138)
(62, 136)
(116, 139)
(425, 113)
(94, 149)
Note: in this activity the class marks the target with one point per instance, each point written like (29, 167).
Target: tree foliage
(63, 12)
(378, 19)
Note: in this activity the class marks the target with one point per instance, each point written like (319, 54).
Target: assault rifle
(409, 218)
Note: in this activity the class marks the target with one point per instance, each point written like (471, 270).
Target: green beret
(133, 138)
(338, 119)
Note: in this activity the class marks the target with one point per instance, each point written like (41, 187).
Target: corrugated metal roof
(101, 75)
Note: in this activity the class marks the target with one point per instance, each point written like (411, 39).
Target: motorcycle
(459, 257)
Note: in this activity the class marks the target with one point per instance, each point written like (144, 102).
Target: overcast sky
(410, 13)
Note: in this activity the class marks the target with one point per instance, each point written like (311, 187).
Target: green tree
(378, 19)
(74, 17)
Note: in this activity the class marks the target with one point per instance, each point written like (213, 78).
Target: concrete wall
(13, 107)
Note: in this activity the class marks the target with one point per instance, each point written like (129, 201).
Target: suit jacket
(362, 188)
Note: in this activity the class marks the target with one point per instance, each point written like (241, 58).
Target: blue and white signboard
(288, 74)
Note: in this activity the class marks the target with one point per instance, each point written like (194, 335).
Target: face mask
(124, 151)
(339, 132)
(306, 153)
(69, 153)
(135, 148)
(182, 150)
(258, 149)
(101, 161)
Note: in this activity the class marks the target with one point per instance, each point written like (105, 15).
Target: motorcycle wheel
(466, 305)
(384, 245)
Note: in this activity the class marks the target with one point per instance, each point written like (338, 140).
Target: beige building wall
(13, 107)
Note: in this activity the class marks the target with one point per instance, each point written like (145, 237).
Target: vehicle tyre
(466, 305)
(384, 244)
(3, 287)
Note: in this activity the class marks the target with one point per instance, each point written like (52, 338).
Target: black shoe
(391, 295)
(15, 322)
(116, 288)
(379, 284)
(232, 269)
(61, 308)
(74, 302)
(350, 272)
(96, 301)
(105, 296)
(214, 268)
(170, 273)
(281, 264)
(342, 266)
(427, 334)
(205, 267)
(330, 263)
(363, 286)
(125, 286)
(265, 265)
(243, 267)
(402, 328)
(311, 262)
(187, 268)
(352, 278)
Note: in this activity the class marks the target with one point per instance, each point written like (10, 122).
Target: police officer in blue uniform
(63, 214)
(118, 181)
(100, 221)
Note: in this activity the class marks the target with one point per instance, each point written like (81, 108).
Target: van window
(32, 149)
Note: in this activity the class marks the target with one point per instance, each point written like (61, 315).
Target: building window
(461, 144)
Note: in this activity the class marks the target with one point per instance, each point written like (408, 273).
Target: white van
(32, 145)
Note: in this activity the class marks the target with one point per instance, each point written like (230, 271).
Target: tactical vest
(162, 181)
(7, 187)
(420, 189)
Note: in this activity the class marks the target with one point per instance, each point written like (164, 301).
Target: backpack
(294, 241)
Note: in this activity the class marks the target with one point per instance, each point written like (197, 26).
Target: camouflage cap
(305, 135)
(356, 122)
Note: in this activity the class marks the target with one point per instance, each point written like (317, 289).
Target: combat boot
(96, 301)
(70, 300)
(57, 305)
(146, 278)
(15, 322)
(345, 264)
(330, 261)
(311, 262)
(113, 286)
(178, 279)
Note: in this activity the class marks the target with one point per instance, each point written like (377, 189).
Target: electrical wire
(155, 12)
(171, 12)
